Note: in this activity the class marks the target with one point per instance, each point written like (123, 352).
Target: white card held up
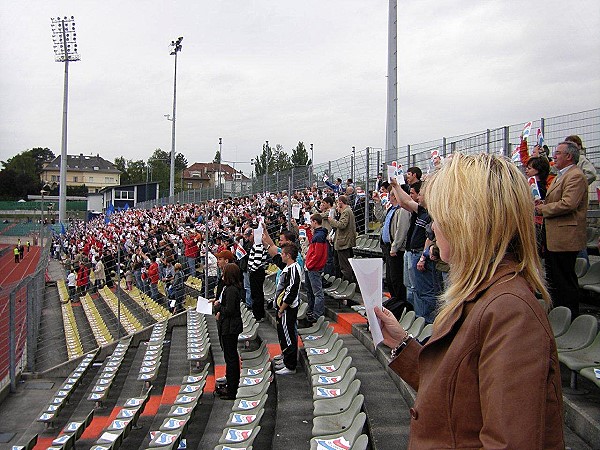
(258, 232)
(369, 274)
(203, 306)
(331, 213)
(296, 212)
(391, 172)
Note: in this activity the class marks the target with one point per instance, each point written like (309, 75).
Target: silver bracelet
(396, 351)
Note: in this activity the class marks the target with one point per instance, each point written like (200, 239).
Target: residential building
(206, 175)
(94, 172)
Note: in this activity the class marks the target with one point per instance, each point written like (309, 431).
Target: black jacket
(230, 321)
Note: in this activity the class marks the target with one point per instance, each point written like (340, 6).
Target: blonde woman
(489, 376)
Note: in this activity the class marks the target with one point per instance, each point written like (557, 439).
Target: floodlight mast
(65, 50)
(176, 48)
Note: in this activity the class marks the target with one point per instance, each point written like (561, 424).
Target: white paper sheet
(258, 232)
(203, 306)
(369, 274)
(391, 173)
(296, 212)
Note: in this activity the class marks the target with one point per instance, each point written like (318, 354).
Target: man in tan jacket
(564, 212)
(345, 238)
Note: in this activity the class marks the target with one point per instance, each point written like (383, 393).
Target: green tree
(300, 156)
(272, 159)
(20, 175)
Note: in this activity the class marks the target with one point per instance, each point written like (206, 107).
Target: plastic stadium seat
(588, 372)
(582, 358)
(417, 326)
(314, 329)
(580, 334)
(560, 320)
(581, 267)
(337, 404)
(361, 443)
(329, 373)
(592, 276)
(425, 333)
(337, 352)
(337, 423)
(346, 438)
(407, 320)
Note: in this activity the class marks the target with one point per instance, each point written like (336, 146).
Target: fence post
(32, 322)
(506, 143)
(329, 169)
(378, 161)
(444, 147)
(289, 210)
(487, 140)
(12, 349)
(543, 126)
(408, 156)
(367, 193)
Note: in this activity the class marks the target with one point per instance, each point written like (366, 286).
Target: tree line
(21, 175)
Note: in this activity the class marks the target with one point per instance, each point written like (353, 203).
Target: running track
(10, 274)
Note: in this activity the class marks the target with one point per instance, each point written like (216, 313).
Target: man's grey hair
(572, 149)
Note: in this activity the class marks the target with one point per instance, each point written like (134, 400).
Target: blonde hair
(483, 205)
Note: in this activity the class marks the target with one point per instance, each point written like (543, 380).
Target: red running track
(10, 274)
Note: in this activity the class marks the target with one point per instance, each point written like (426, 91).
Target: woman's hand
(393, 333)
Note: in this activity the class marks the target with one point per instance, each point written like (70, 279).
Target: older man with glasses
(564, 211)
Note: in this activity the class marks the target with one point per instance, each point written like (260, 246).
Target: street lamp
(65, 50)
(176, 49)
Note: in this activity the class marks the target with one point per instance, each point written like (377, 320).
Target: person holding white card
(229, 318)
(489, 376)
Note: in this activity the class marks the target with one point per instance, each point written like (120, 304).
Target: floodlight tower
(176, 48)
(391, 125)
(65, 50)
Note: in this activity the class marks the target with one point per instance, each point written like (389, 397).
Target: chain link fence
(500, 140)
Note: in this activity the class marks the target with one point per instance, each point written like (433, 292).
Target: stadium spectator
(491, 333)
(413, 175)
(394, 231)
(229, 319)
(345, 238)
(564, 211)
(287, 301)
(316, 258)
(422, 271)
(584, 164)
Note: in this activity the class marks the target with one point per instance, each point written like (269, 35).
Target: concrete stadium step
(294, 407)
(143, 316)
(110, 319)
(219, 410)
(40, 397)
(51, 346)
(177, 366)
(388, 418)
(85, 331)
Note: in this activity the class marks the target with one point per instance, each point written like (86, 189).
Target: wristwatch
(396, 350)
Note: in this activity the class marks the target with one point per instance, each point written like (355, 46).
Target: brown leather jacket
(489, 376)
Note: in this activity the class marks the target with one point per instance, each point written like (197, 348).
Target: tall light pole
(176, 49)
(312, 166)
(267, 167)
(353, 163)
(220, 159)
(65, 50)
(391, 123)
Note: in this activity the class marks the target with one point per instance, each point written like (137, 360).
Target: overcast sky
(288, 71)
